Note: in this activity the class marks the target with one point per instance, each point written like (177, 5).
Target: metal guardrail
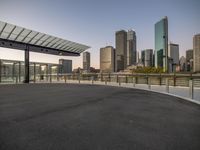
(168, 80)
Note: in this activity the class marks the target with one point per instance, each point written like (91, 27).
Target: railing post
(160, 78)
(65, 77)
(79, 80)
(16, 79)
(50, 78)
(167, 85)
(92, 79)
(134, 81)
(191, 88)
(149, 83)
(57, 77)
(174, 79)
(119, 81)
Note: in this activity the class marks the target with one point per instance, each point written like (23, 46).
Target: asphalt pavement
(95, 117)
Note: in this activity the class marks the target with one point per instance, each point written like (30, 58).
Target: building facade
(121, 50)
(131, 48)
(147, 57)
(182, 64)
(196, 52)
(86, 62)
(107, 59)
(13, 71)
(161, 44)
(65, 66)
(189, 59)
(173, 56)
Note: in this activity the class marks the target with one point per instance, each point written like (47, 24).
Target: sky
(94, 23)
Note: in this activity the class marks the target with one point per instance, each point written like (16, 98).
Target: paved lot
(91, 117)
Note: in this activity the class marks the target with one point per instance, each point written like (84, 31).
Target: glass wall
(14, 72)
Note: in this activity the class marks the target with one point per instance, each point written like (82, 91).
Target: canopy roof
(22, 35)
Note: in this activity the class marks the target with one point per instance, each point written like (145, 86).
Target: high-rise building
(131, 48)
(138, 57)
(189, 54)
(189, 59)
(147, 57)
(173, 54)
(196, 53)
(161, 44)
(121, 50)
(182, 63)
(107, 59)
(86, 62)
(65, 66)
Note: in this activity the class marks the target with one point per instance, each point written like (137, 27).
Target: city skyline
(98, 29)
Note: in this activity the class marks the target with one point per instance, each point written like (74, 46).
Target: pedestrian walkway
(95, 117)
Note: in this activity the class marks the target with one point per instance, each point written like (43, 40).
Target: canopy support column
(26, 63)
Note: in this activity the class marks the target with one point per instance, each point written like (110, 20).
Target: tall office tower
(173, 54)
(161, 44)
(189, 59)
(196, 52)
(131, 48)
(86, 62)
(65, 66)
(147, 57)
(107, 59)
(182, 63)
(121, 50)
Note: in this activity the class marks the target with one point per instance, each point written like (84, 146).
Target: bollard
(119, 81)
(105, 81)
(191, 89)
(134, 81)
(167, 85)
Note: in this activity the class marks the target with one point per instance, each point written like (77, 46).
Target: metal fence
(183, 80)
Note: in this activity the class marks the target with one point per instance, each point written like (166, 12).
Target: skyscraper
(121, 50)
(131, 48)
(147, 57)
(86, 61)
(196, 52)
(161, 44)
(173, 54)
(107, 59)
(189, 59)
